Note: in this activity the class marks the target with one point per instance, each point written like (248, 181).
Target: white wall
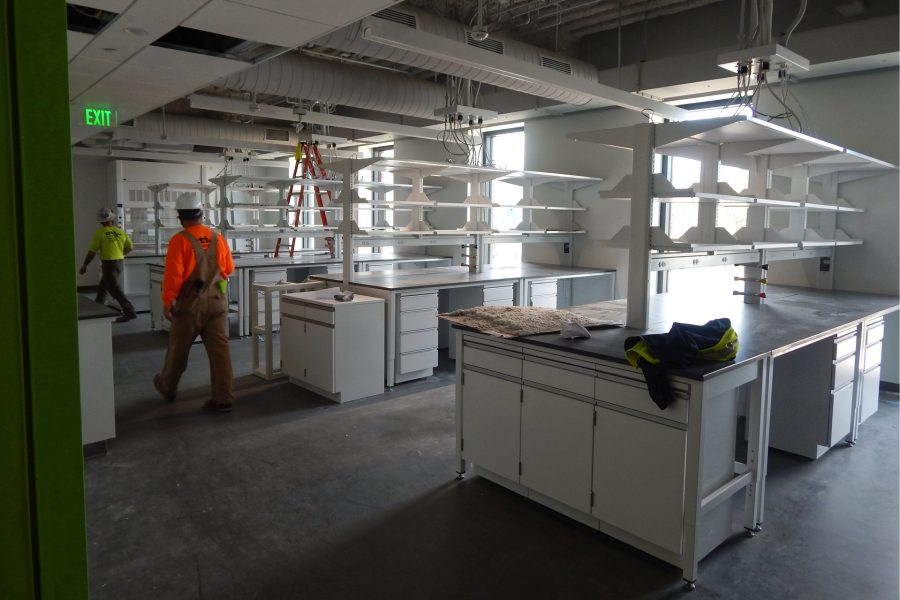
(90, 190)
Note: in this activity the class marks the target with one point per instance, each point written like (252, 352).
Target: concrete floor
(291, 496)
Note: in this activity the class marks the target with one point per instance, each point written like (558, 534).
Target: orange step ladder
(308, 156)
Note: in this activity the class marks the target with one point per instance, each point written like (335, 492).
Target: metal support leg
(760, 399)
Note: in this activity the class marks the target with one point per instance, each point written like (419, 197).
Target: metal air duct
(175, 129)
(297, 76)
(350, 39)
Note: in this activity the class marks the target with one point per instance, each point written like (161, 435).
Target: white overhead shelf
(742, 138)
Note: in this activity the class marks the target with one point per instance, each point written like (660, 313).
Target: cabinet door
(319, 353)
(490, 423)
(639, 477)
(293, 348)
(557, 439)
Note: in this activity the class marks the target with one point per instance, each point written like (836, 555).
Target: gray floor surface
(291, 496)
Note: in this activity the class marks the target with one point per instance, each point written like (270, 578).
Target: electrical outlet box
(774, 56)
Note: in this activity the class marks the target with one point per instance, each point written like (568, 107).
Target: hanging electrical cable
(796, 21)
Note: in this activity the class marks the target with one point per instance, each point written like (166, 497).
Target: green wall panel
(42, 532)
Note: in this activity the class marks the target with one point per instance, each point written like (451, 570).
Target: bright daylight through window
(505, 150)
(685, 172)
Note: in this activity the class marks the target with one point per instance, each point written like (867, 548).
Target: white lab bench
(333, 348)
(95, 368)
(569, 424)
(414, 297)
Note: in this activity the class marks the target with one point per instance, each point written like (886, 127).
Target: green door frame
(42, 525)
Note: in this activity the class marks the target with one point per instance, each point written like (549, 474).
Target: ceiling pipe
(630, 19)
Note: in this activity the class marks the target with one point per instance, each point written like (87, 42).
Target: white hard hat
(104, 215)
(188, 201)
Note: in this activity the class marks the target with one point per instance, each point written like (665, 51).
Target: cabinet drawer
(543, 288)
(292, 309)
(560, 378)
(420, 319)
(493, 361)
(845, 345)
(841, 414)
(875, 332)
(503, 292)
(634, 395)
(416, 361)
(544, 301)
(873, 356)
(418, 301)
(506, 302)
(843, 372)
(319, 315)
(418, 340)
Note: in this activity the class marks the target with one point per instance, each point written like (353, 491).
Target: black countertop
(410, 279)
(791, 317)
(88, 309)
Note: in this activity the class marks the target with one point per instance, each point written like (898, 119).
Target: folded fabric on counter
(516, 321)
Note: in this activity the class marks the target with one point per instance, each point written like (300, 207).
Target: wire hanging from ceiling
(755, 28)
(462, 134)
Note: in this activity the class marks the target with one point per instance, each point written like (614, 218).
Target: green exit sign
(99, 117)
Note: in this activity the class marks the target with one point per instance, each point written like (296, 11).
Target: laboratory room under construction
(502, 299)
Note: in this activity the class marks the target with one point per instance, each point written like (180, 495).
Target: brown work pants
(110, 271)
(208, 318)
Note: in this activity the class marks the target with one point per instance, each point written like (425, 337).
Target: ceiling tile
(256, 24)
(333, 12)
(75, 40)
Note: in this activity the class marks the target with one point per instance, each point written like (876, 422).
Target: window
(680, 216)
(505, 150)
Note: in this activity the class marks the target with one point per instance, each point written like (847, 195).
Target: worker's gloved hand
(82, 270)
(167, 312)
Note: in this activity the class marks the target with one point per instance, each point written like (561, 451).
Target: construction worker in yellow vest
(112, 244)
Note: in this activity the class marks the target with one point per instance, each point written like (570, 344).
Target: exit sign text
(99, 117)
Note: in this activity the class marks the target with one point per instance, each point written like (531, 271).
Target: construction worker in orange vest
(112, 244)
(195, 300)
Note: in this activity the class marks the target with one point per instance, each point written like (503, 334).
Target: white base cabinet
(335, 349)
(581, 436)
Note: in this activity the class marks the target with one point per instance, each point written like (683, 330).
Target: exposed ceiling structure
(190, 78)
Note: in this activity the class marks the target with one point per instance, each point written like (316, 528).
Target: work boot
(157, 383)
(124, 318)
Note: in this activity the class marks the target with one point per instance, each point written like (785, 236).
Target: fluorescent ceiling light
(436, 46)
